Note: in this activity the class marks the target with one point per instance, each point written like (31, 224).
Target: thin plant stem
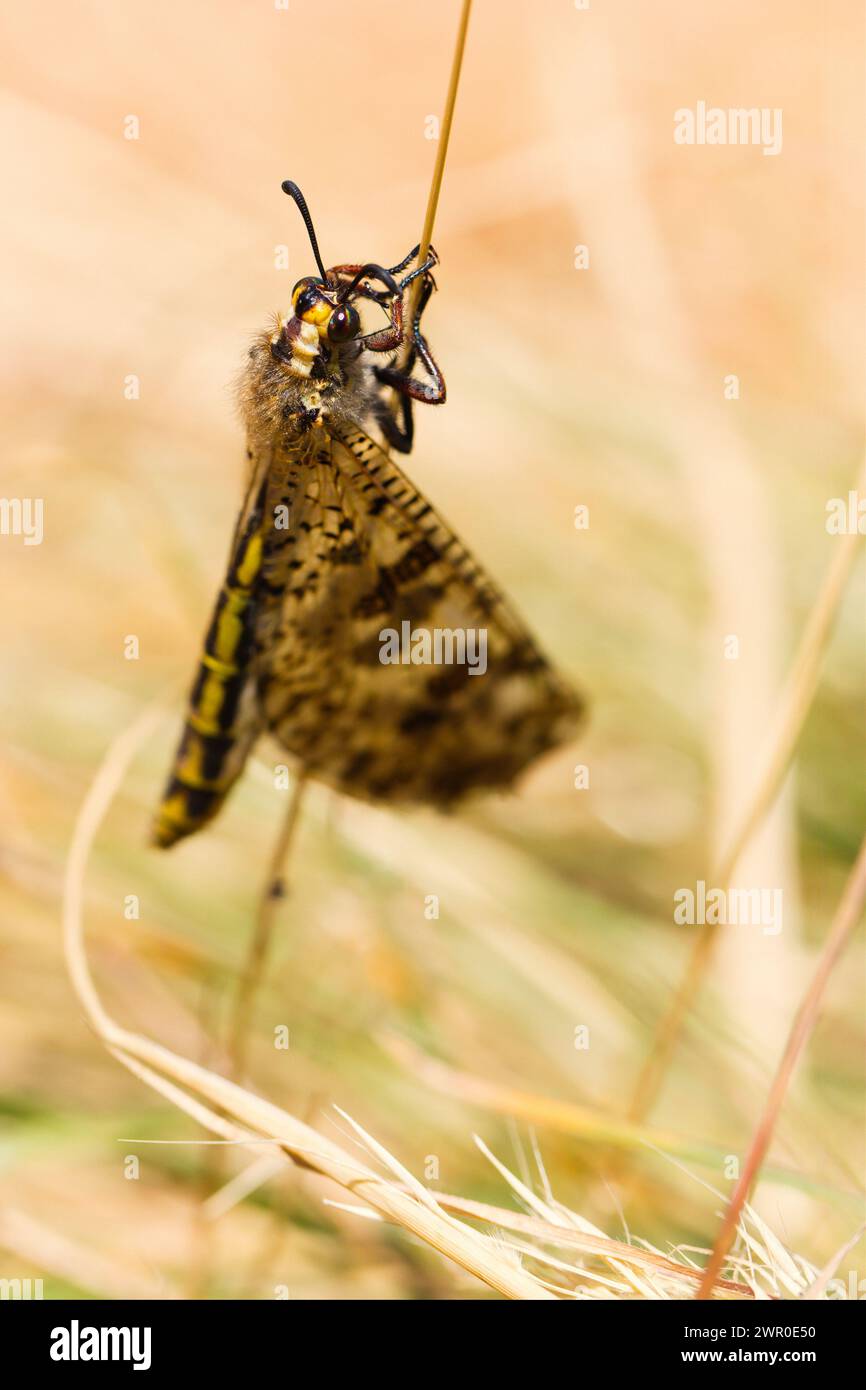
(444, 135)
(796, 703)
(847, 916)
(435, 186)
(272, 894)
(436, 179)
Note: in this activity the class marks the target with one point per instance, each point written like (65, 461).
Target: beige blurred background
(601, 387)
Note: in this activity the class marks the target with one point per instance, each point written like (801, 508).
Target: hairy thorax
(287, 391)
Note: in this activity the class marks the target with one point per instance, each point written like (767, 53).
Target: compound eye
(343, 324)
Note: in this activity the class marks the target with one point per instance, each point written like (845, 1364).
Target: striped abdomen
(219, 730)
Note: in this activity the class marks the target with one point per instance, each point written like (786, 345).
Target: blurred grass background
(600, 387)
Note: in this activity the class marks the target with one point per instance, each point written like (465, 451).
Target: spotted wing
(366, 555)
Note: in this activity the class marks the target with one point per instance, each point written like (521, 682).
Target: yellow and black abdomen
(222, 720)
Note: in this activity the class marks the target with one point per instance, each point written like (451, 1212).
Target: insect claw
(420, 270)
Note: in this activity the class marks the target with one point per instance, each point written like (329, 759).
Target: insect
(334, 546)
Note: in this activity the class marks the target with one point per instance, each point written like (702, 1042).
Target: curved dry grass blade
(169, 1072)
(634, 1279)
(847, 917)
(568, 1236)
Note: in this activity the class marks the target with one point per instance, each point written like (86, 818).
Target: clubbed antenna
(294, 192)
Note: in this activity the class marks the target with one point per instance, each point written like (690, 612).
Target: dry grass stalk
(848, 914)
(796, 703)
(272, 894)
(560, 1235)
(444, 134)
(762, 1268)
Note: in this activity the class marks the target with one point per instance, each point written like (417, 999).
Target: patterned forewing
(365, 552)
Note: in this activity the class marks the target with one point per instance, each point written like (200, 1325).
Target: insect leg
(387, 339)
(398, 436)
(431, 392)
(420, 270)
(407, 260)
(432, 260)
(348, 272)
(345, 274)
